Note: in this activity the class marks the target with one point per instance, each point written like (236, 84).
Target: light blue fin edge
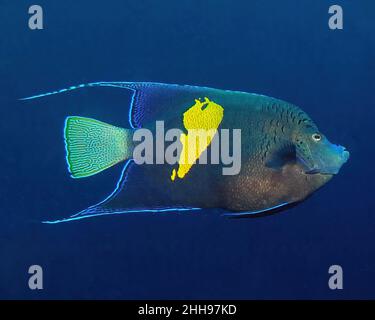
(117, 84)
(237, 214)
(80, 215)
(92, 211)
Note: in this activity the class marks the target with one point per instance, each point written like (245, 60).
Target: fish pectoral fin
(280, 156)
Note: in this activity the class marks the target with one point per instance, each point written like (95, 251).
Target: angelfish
(284, 156)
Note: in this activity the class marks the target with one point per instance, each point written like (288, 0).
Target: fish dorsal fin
(153, 101)
(157, 101)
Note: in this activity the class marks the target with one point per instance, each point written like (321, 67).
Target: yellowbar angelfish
(284, 156)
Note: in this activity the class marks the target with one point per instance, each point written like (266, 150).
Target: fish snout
(344, 154)
(335, 160)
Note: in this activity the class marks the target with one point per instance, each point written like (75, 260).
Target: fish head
(317, 154)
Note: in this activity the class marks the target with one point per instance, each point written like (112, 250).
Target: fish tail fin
(93, 146)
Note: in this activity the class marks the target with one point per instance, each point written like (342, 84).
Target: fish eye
(316, 137)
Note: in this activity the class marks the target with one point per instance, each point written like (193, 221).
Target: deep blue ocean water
(279, 48)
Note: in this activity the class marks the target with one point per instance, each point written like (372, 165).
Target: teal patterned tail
(93, 146)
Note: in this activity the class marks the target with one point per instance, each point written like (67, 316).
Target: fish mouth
(333, 165)
(345, 155)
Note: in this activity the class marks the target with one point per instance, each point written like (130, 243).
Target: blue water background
(278, 48)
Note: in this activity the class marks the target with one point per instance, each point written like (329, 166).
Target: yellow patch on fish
(201, 122)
